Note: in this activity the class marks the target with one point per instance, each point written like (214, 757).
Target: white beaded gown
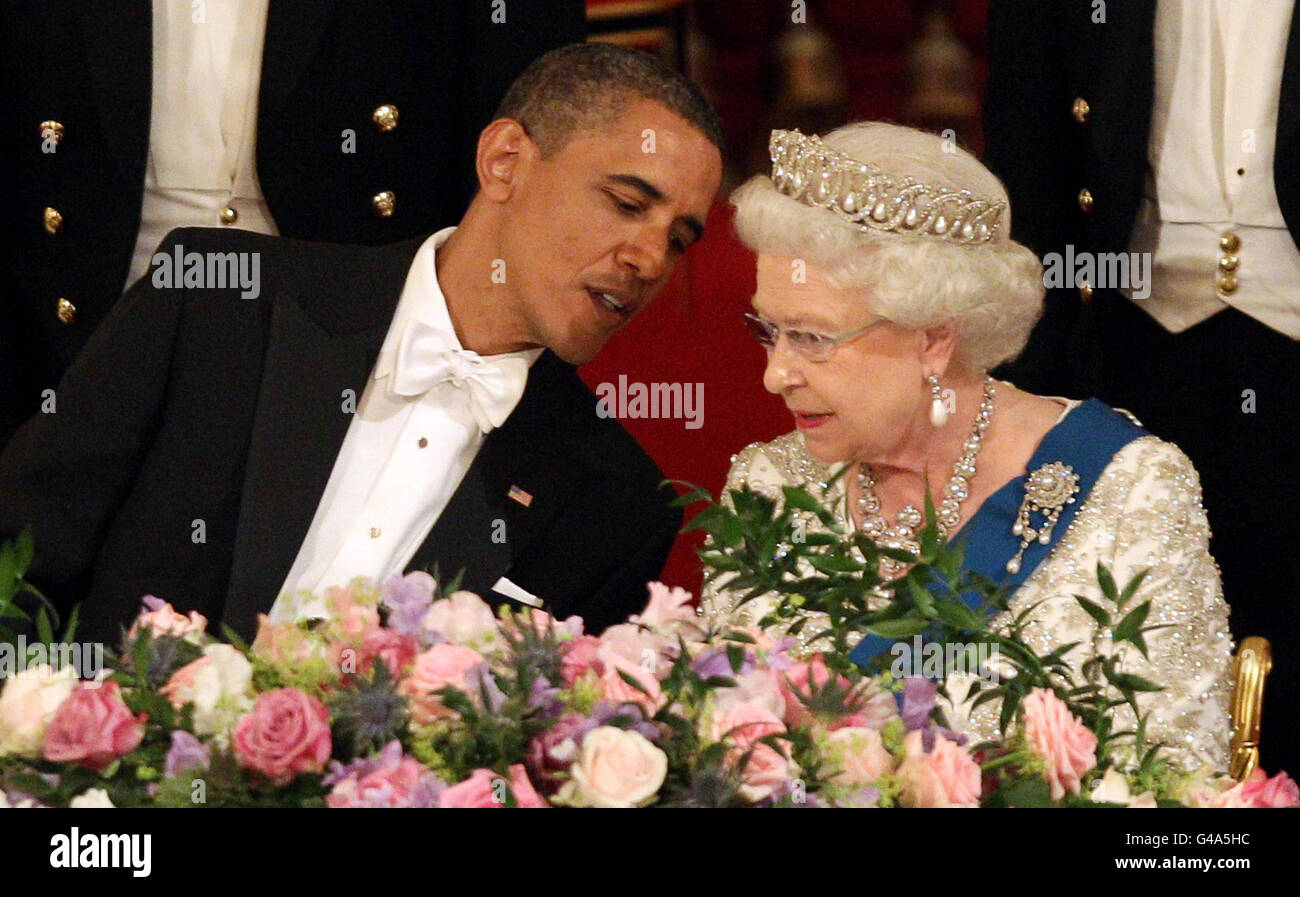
(1144, 511)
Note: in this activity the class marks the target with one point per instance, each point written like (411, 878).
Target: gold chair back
(1250, 669)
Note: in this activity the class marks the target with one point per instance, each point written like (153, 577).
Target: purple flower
(714, 662)
(604, 711)
(185, 754)
(919, 695)
(480, 683)
(551, 753)
(544, 698)
(151, 604)
(407, 598)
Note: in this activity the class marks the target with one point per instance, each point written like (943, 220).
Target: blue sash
(1087, 439)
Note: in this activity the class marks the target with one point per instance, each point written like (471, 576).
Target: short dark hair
(583, 87)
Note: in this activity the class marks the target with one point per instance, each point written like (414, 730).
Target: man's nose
(646, 253)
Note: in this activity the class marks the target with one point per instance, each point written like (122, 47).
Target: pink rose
(807, 678)
(551, 753)
(1260, 791)
(482, 790)
(945, 777)
(635, 646)
(1059, 739)
(396, 650)
(742, 725)
(386, 786)
(617, 690)
(578, 657)
(286, 733)
(862, 757)
(444, 665)
(163, 619)
(486, 789)
(181, 683)
(93, 726)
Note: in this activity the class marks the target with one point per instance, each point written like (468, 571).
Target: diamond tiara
(859, 192)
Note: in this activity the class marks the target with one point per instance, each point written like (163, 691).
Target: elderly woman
(888, 286)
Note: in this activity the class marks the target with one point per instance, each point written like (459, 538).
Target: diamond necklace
(903, 534)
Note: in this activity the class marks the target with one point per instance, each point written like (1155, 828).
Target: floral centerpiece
(410, 694)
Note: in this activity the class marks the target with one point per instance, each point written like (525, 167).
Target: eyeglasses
(812, 346)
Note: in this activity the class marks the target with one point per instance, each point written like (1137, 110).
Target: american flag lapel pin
(519, 495)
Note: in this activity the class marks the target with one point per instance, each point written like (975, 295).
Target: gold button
(53, 220)
(383, 203)
(423, 442)
(1229, 242)
(375, 532)
(52, 130)
(229, 215)
(1086, 291)
(385, 117)
(1081, 110)
(1085, 199)
(1228, 284)
(1228, 263)
(67, 311)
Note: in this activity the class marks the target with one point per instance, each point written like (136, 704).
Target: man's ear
(938, 344)
(504, 149)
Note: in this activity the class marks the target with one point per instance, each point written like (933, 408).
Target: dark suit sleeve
(66, 472)
(625, 593)
(1029, 145)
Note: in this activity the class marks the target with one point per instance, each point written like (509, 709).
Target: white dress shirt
(404, 455)
(1218, 72)
(203, 121)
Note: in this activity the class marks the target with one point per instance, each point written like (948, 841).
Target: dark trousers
(1227, 392)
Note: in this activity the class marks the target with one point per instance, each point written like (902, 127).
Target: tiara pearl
(859, 192)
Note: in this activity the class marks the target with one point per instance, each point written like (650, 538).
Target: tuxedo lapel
(293, 31)
(320, 346)
(1286, 168)
(521, 477)
(118, 37)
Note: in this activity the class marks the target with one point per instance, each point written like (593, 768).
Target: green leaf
(1096, 611)
(1131, 625)
(1132, 585)
(905, 627)
(1107, 583)
(736, 657)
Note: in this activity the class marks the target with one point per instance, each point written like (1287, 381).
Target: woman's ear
(938, 344)
(504, 150)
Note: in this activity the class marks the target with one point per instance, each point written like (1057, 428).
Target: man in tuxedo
(367, 410)
(120, 120)
(1165, 135)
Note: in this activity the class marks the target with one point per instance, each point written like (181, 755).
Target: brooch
(1049, 489)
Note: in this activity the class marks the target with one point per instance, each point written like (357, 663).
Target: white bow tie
(427, 356)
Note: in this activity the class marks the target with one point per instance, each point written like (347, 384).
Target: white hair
(992, 293)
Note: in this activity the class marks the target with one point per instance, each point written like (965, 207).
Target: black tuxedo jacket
(1042, 56)
(193, 437)
(327, 65)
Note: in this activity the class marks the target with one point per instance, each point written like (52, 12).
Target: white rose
(463, 618)
(615, 768)
(27, 704)
(92, 799)
(219, 685)
(861, 754)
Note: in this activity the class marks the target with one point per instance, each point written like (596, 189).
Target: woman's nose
(782, 369)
